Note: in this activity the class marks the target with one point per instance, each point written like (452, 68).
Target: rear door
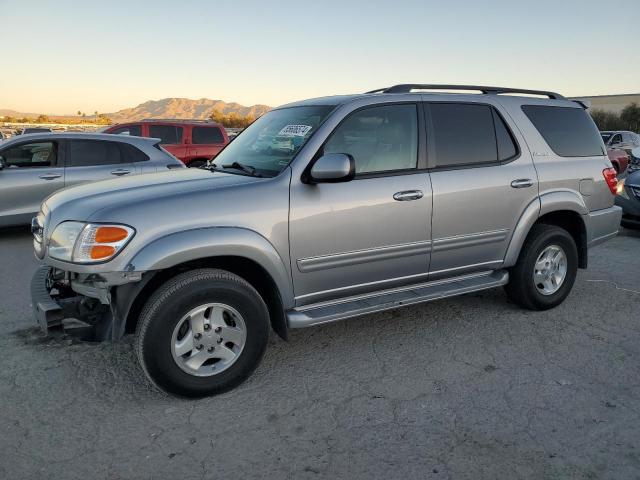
(32, 171)
(92, 160)
(172, 138)
(206, 142)
(482, 182)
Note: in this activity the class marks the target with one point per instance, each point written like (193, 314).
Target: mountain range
(165, 108)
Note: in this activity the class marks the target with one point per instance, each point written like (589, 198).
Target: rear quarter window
(570, 132)
(205, 135)
(132, 154)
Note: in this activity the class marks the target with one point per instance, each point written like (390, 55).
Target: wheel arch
(562, 208)
(237, 250)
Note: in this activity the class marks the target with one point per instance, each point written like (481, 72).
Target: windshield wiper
(248, 169)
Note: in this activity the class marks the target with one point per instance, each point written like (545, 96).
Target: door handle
(407, 195)
(120, 171)
(50, 176)
(522, 183)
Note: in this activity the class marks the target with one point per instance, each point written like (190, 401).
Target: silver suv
(323, 210)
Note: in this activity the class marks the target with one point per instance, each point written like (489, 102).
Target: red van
(192, 141)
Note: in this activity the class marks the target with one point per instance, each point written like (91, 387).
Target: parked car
(34, 166)
(389, 198)
(618, 158)
(192, 141)
(627, 141)
(628, 199)
(28, 130)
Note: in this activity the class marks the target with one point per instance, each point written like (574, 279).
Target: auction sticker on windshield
(294, 131)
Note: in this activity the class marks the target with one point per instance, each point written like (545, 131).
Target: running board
(325, 312)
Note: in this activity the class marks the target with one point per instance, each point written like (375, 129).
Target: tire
(522, 288)
(197, 164)
(169, 307)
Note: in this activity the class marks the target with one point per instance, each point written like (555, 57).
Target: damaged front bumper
(90, 307)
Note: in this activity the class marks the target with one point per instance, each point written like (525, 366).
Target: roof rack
(194, 120)
(407, 87)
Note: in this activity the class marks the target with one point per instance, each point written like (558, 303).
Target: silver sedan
(33, 166)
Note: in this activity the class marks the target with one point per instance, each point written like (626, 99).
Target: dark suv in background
(192, 141)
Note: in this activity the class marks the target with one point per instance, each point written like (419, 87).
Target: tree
(630, 117)
(43, 119)
(79, 113)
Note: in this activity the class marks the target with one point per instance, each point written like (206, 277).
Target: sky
(63, 56)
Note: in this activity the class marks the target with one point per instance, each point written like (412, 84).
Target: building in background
(611, 103)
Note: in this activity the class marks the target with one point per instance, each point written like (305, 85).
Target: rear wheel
(202, 333)
(546, 270)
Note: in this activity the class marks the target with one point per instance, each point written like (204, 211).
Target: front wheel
(546, 269)
(202, 333)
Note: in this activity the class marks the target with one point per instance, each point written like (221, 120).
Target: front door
(373, 232)
(482, 183)
(31, 173)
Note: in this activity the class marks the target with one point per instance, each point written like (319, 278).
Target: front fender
(185, 246)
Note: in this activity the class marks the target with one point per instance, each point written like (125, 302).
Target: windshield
(271, 142)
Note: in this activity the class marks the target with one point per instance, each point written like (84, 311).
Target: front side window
(205, 135)
(133, 130)
(570, 132)
(168, 134)
(88, 153)
(382, 138)
(35, 154)
(272, 141)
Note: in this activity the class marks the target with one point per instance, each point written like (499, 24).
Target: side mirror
(333, 168)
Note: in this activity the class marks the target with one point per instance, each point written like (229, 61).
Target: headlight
(80, 242)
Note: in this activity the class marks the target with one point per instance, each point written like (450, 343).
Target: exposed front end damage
(90, 307)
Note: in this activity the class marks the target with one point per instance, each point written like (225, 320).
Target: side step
(325, 312)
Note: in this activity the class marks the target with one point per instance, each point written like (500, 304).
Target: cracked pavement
(465, 388)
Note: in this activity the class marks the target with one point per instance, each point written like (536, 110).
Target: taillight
(610, 177)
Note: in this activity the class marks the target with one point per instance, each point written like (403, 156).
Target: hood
(82, 201)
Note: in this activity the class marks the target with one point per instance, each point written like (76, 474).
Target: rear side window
(203, 135)
(133, 130)
(132, 154)
(89, 153)
(570, 132)
(469, 134)
(168, 134)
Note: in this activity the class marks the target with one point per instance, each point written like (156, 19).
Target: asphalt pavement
(465, 388)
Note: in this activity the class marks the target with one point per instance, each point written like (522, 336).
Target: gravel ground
(465, 388)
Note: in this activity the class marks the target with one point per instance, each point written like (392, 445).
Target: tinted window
(133, 130)
(506, 145)
(463, 134)
(379, 138)
(168, 134)
(132, 154)
(85, 153)
(570, 132)
(36, 154)
(201, 135)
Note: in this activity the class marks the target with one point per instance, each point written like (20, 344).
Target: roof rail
(407, 87)
(195, 120)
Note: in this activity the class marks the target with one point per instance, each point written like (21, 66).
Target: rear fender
(567, 200)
